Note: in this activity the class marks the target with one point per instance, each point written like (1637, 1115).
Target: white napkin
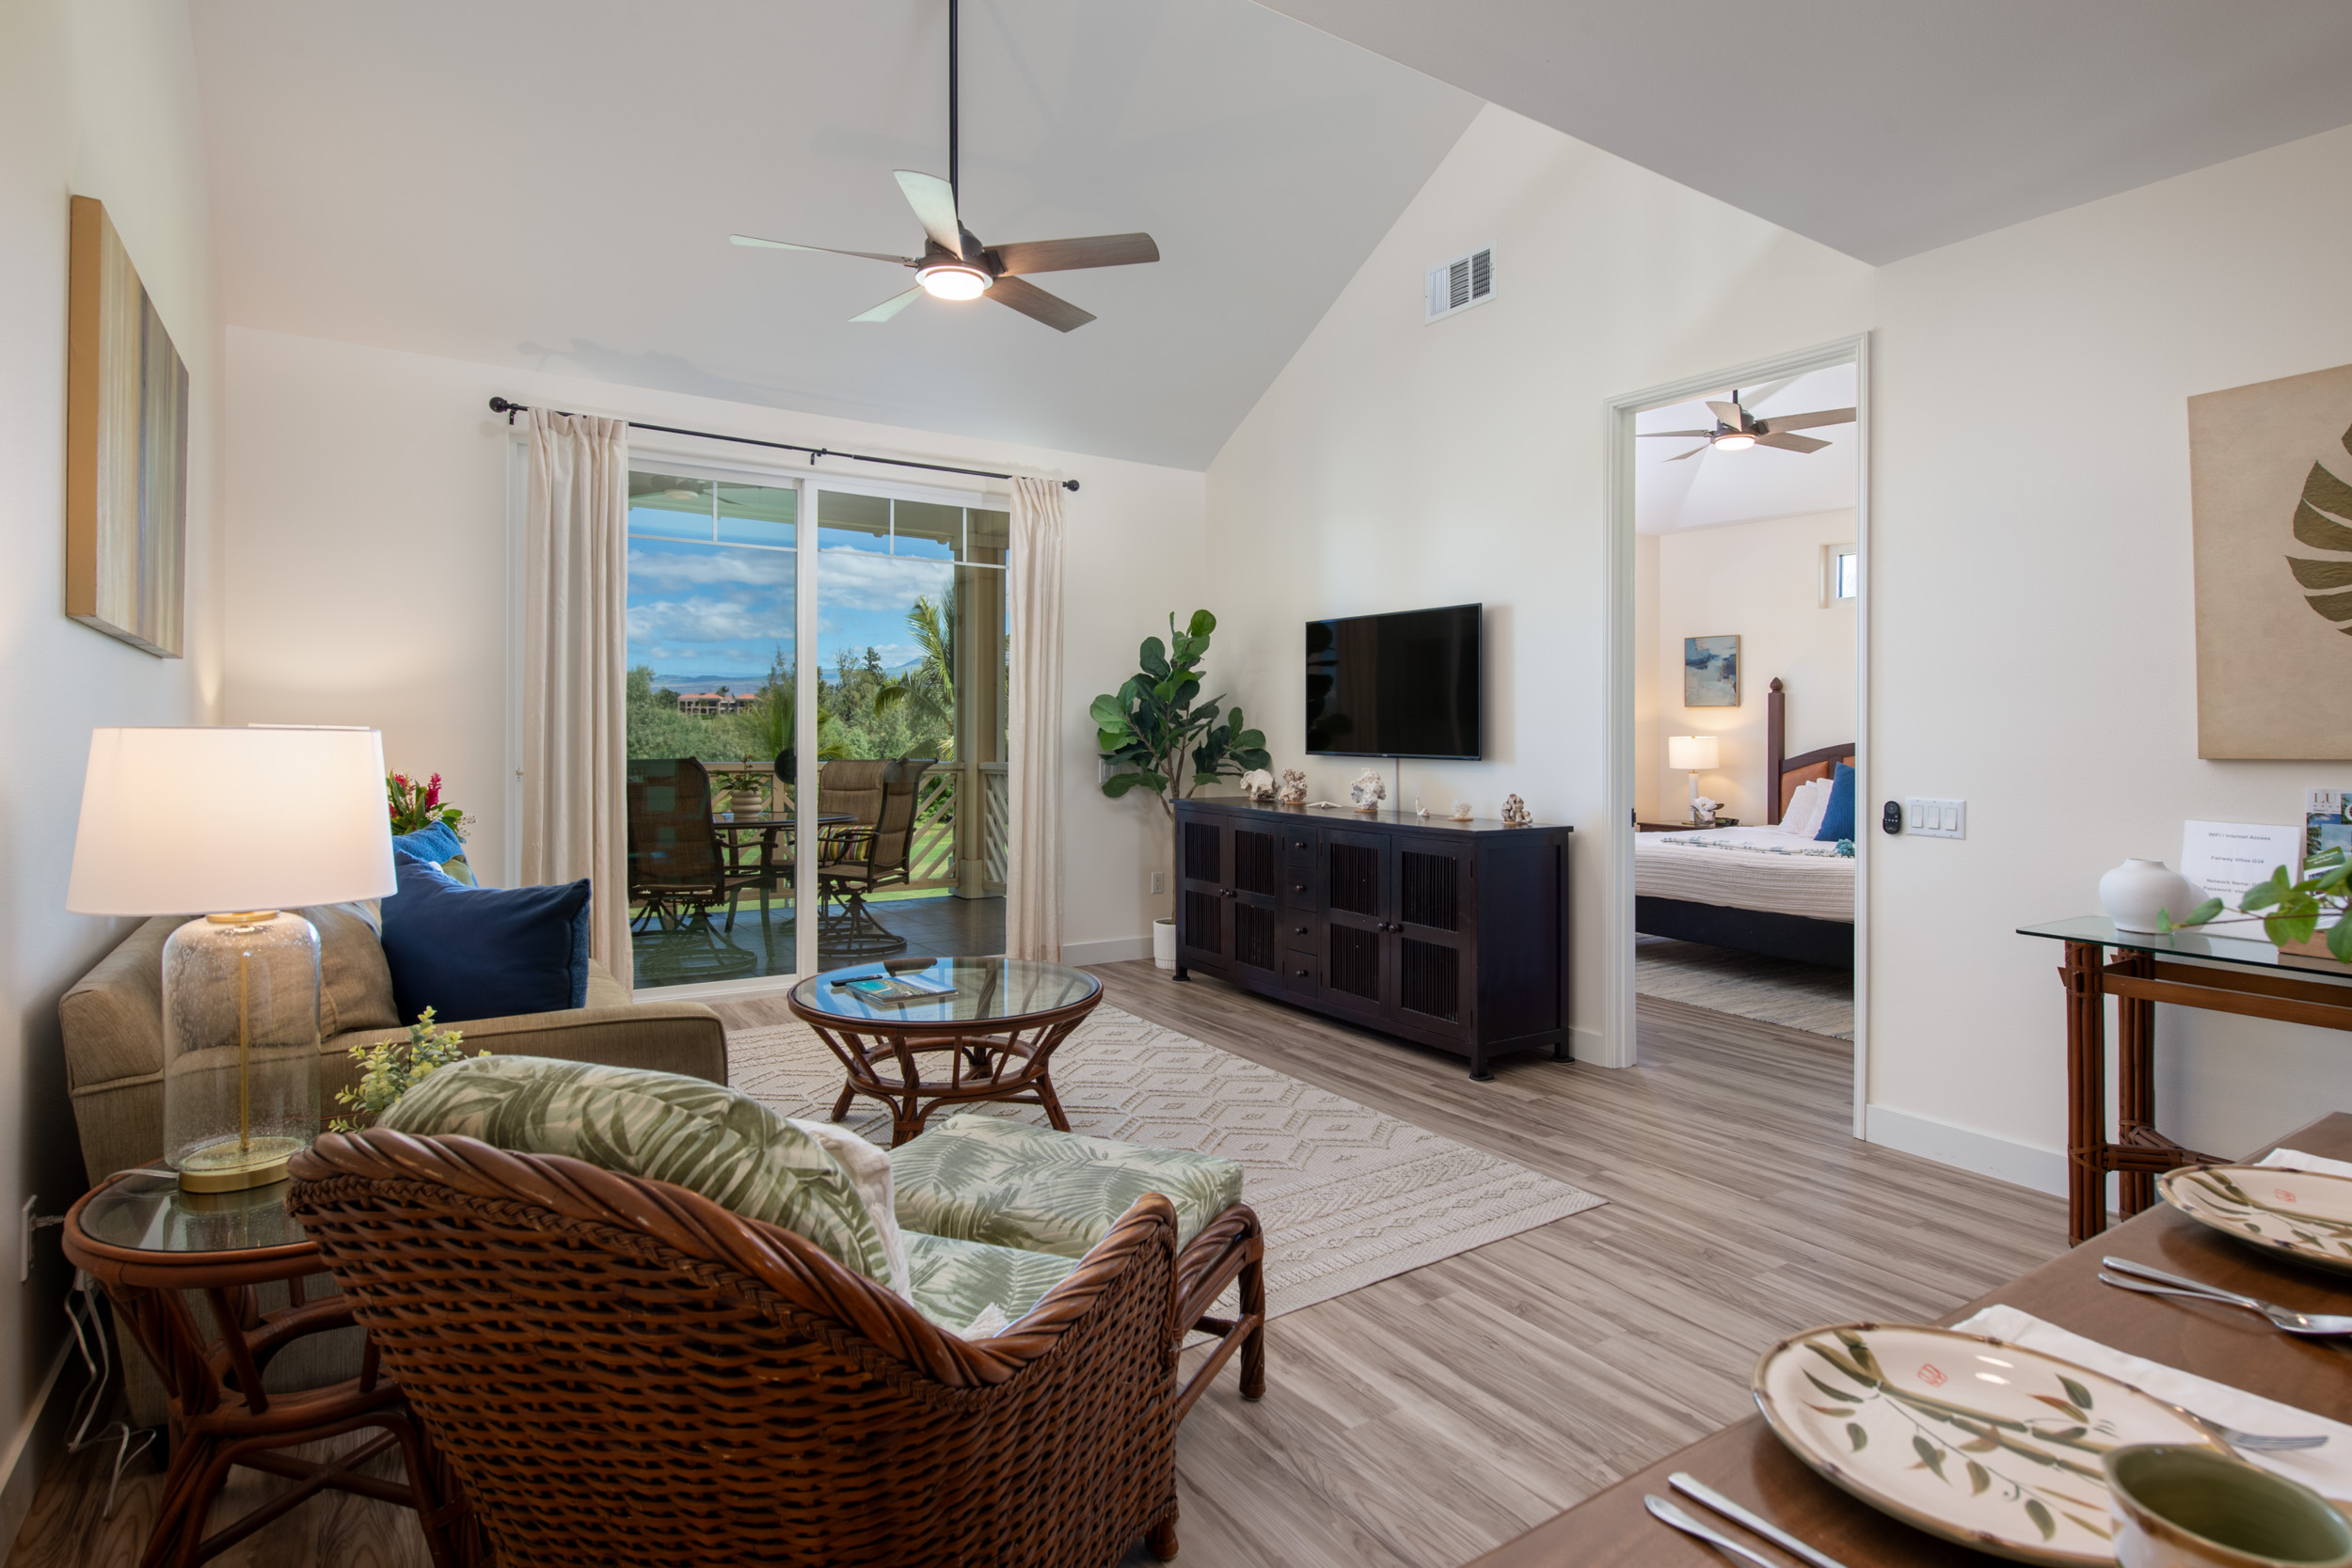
(2295, 1159)
(2327, 1469)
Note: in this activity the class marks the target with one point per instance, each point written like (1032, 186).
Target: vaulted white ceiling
(1672, 492)
(553, 181)
(1887, 128)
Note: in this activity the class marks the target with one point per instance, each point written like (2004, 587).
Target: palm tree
(929, 690)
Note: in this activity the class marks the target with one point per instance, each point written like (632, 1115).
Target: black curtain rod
(501, 405)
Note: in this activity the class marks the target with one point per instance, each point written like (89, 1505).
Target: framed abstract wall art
(126, 491)
(1711, 671)
(2270, 486)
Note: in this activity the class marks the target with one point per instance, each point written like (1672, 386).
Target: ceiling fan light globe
(1734, 440)
(953, 281)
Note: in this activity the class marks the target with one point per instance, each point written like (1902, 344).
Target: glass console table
(2219, 972)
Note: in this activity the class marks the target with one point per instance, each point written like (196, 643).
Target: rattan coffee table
(993, 1040)
(158, 1251)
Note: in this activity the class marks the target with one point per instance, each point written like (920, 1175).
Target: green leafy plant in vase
(390, 1069)
(2292, 912)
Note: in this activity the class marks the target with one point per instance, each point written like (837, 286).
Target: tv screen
(1394, 686)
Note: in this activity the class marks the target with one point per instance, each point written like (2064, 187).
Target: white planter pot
(1164, 944)
(2135, 892)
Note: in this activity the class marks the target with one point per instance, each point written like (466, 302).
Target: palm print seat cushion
(956, 1283)
(664, 1127)
(978, 1177)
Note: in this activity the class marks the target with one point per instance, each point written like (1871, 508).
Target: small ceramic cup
(2188, 1506)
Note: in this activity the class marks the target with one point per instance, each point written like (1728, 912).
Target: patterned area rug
(1347, 1196)
(1811, 997)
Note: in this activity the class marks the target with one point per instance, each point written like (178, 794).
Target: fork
(2318, 1324)
(1668, 1514)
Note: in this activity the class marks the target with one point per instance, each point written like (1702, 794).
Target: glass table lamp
(244, 824)
(1693, 754)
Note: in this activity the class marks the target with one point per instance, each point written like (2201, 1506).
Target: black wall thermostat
(1892, 817)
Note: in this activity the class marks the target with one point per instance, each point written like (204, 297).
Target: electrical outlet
(1935, 819)
(24, 1240)
(1159, 881)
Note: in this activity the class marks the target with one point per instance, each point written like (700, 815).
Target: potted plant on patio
(1159, 735)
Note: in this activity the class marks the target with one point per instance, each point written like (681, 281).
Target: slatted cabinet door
(1358, 973)
(1204, 882)
(1256, 870)
(1433, 932)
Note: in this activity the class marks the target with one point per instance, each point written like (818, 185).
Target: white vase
(2133, 893)
(1164, 944)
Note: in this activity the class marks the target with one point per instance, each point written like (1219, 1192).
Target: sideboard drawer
(1295, 931)
(1302, 970)
(1301, 887)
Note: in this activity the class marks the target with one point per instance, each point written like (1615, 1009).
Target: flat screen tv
(1404, 685)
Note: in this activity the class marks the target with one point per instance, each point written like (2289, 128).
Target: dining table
(2227, 1344)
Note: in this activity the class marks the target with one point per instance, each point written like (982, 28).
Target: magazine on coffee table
(895, 991)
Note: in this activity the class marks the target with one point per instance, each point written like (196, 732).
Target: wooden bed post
(1775, 738)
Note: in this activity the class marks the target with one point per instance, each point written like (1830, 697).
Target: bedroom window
(1841, 573)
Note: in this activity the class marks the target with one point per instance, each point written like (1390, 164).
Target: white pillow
(1802, 817)
(868, 1170)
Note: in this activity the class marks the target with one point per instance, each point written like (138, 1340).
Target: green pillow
(661, 1126)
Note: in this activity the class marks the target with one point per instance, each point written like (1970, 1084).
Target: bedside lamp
(1695, 754)
(248, 823)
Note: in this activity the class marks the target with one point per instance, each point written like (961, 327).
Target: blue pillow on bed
(479, 952)
(1838, 817)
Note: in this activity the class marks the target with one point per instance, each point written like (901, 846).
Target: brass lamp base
(229, 1166)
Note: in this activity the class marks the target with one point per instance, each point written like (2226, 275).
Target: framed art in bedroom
(1711, 671)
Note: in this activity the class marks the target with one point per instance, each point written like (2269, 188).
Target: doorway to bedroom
(1741, 557)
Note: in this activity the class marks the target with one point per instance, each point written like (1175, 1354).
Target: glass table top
(986, 990)
(2209, 943)
(147, 1210)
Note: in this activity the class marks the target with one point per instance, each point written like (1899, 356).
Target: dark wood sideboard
(1448, 934)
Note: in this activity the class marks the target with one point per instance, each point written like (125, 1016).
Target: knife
(1691, 1486)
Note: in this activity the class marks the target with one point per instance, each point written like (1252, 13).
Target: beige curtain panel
(1033, 573)
(575, 600)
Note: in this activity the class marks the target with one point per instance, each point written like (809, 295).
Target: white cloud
(851, 579)
(661, 569)
(704, 620)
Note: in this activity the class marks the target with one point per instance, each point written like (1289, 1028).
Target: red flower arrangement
(418, 806)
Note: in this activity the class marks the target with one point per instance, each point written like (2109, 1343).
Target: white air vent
(1464, 281)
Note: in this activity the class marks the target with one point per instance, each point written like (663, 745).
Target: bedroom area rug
(1811, 997)
(1347, 1196)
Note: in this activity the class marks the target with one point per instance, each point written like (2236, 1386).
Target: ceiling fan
(1736, 429)
(956, 265)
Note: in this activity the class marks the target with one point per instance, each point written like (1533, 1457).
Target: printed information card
(2227, 858)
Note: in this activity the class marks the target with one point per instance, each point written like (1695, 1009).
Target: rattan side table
(997, 1033)
(153, 1247)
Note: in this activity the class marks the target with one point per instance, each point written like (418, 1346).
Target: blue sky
(717, 612)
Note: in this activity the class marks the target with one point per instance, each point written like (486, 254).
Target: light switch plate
(1935, 819)
(1159, 881)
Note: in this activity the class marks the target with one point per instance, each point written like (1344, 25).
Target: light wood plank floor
(1424, 1418)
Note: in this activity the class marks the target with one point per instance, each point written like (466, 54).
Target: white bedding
(1746, 868)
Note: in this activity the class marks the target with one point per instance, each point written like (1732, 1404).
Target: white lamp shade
(1696, 754)
(200, 821)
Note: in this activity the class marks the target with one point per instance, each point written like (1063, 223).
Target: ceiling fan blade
(1790, 443)
(1705, 433)
(1035, 303)
(760, 243)
(889, 308)
(1731, 413)
(1806, 421)
(934, 204)
(1692, 452)
(1103, 250)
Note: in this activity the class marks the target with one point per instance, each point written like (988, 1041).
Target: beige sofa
(114, 1059)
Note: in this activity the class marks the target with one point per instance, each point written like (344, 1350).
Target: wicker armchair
(621, 1372)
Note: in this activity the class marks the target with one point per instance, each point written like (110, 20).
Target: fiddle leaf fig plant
(2291, 912)
(1163, 737)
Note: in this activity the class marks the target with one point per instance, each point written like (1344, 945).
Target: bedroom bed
(1759, 890)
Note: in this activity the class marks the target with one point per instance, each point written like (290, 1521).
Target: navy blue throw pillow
(436, 842)
(1837, 817)
(481, 952)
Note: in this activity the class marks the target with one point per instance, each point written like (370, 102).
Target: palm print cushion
(988, 1179)
(663, 1127)
(957, 1282)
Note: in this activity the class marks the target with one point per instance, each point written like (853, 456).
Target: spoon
(2319, 1324)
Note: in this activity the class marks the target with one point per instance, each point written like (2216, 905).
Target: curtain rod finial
(1070, 485)
(499, 406)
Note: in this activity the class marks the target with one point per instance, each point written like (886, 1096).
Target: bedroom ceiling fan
(1736, 429)
(956, 265)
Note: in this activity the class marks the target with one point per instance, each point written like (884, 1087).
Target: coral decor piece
(1293, 788)
(1461, 811)
(415, 806)
(1257, 784)
(1703, 809)
(1515, 813)
(1368, 790)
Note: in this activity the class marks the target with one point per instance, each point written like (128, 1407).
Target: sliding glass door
(901, 721)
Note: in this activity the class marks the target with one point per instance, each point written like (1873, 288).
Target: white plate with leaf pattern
(2302, 1213)
(1981, 1442)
